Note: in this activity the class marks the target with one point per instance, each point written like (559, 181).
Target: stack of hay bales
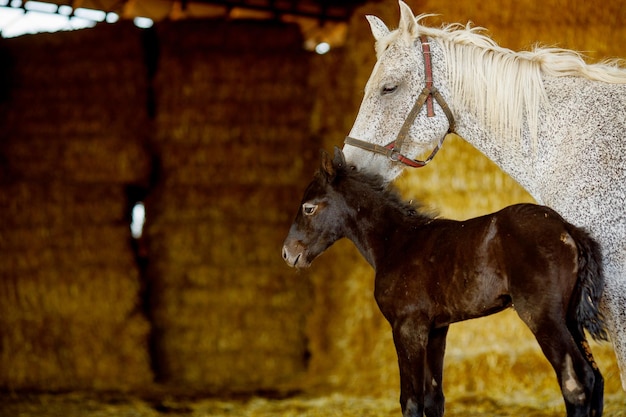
(73, 116)
(232, 132)
(521, 24)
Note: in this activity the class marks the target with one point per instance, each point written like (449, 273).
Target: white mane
(503, 87)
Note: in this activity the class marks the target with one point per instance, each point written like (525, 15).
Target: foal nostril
(285, 256)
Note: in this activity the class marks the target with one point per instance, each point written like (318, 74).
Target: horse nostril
(284, 252)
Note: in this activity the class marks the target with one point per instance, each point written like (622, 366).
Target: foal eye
(389, 88)
(309, 209)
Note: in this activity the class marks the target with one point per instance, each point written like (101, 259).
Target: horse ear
(407, 20)
(378, 27)
(327, 168)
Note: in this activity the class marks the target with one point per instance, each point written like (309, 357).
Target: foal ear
(379, 29)
(327, 168)
(340, 160)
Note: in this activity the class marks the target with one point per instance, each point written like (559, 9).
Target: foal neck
(381, 219)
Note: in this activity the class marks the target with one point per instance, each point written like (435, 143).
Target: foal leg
(597, 395)
(433, 377)
(574, 374)
(410, 337)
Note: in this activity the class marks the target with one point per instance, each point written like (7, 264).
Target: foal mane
(503, 87)
(373, 189)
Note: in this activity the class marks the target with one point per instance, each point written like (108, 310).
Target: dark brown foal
(433, 272)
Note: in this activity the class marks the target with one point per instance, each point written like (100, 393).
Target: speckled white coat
(553, 123)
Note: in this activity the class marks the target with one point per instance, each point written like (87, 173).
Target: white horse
(548, 119)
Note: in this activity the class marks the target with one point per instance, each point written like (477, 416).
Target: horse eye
(309, 209)
(388, 89)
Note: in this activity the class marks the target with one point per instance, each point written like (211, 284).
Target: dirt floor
(119, 405)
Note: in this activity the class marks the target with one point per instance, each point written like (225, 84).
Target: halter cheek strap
(428, 70)
(393, 149)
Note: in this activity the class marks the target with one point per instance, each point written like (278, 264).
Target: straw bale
(26, 260)
(107, 159)
(101, 159)
(83, 237)
(291, 130)
(336, 96)
(224, 243)
(270, 204)
(243, 323)
(217, 90)
(251, 331)
(124, 35)
(59, 354)
(521, 24)
(185, 288)
(66, 91)
(232, 136)
(59, 121)
(236, 129)
(216, 256)
(235, 372)
(108, 293)
(70, 289)
(289, 111)
(232, 69)
(231, 164)
(55, 203)
(228, 329)
(191, 36)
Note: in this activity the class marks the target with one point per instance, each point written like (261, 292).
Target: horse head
(388, 110)
(319, 220)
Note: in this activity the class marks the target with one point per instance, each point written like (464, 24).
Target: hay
(340, 405)
(521, 24)
(195, 36)
(72, 142)
(64, 354)
(84, 160)
(67, 293)
(59, 203)
(69, 310)
(67, 92)
(231, 134)
(272, 204)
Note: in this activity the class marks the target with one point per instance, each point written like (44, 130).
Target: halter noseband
(393, 149)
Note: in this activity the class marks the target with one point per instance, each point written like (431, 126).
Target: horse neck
(512, 156)
(517, 156)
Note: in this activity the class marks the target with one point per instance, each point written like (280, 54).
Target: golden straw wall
(234, 144)
(72, 116)
(210, 121)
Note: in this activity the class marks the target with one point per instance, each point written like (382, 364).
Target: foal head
(343, 202)
(322, 217)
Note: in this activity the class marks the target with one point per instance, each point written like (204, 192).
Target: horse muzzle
(294, 255)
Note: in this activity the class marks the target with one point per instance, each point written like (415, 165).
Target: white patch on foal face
(391, 91)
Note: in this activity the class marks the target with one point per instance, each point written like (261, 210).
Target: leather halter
(393, 149)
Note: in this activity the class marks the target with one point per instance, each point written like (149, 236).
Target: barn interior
(212, 120)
